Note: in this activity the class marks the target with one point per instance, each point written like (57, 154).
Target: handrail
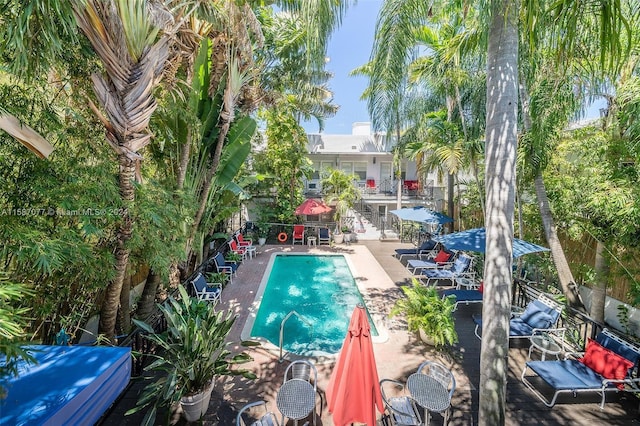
(284, 320)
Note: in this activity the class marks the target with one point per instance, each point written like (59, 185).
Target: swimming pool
(320, 288)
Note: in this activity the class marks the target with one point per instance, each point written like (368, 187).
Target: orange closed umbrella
(312, 206)
(353, 391)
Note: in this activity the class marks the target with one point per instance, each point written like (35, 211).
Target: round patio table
(296, 399)
(429, 393)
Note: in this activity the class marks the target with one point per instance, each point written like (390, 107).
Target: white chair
(400, 409)
(211, 292)
(267, 419)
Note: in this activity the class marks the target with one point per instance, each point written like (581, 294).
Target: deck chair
(298, 234)
(303, 370)
(210, 292)
(222, 265)
(267, 419)
(324, 236)
(609, 364)
(442, 259)
(462, 267)
(399, 409)
(539, 316)
(234, 248)
(443, 375)
(424, 249)
(247, 245)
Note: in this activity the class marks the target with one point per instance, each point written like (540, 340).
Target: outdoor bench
(609, 364)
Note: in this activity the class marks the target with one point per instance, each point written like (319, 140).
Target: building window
(360, 169)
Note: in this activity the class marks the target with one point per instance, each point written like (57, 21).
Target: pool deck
(379, 276)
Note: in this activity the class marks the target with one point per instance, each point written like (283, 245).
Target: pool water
(321, 289)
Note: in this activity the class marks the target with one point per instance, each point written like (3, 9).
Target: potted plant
(192, 352)
(233, 257)
(427, 313)
(262, 230)
(217, 278)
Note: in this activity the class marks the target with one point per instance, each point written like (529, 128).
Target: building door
(386, 176)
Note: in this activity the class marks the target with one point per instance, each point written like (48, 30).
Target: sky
(349, 48)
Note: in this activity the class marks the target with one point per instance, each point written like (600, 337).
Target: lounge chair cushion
(615, 346)
(538, 315)
(566, 374)
(442, 257)
(427, 245)
(605, 362)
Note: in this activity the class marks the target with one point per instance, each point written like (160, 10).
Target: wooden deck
(379, 276)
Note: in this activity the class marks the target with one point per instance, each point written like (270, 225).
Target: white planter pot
(347, 238)
(262, 241)
(426, 339)
(338, 238)
(195, 406)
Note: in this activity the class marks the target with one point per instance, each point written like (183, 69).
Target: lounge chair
(609, 364)
(324, 236)
(222, 265)
(539, 316)
(442, 259)
(298, 234)
(210, 292)
(425, 248)
(462, 267)
(400, 409)
(246, 244)
(234, 248)
(267, 419)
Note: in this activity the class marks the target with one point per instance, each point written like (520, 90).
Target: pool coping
(245, 334)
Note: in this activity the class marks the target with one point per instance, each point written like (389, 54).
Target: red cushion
(442, 257)
(605, 362)
(481, 288)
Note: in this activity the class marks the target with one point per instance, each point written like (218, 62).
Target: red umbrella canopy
(312, 206)
(353, 391)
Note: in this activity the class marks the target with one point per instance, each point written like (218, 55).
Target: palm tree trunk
(500, 167)
(148, 296)
(450, 197)
(111, 301)
(599, 290)
(565, 276)
(123, 324)
(185, 152)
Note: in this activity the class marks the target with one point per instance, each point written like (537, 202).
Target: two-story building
(368, 156)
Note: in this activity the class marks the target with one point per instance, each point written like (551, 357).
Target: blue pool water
(320, 288)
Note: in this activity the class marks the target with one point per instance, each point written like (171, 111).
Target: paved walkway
(379, 275)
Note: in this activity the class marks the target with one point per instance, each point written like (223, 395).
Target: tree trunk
(599, 290)
(501, 147)
(450, 197)
(565, 276)
(185, 153)
(111, 301)
(123, 324)
(148, 296)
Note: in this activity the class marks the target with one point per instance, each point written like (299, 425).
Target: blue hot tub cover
(69, 385)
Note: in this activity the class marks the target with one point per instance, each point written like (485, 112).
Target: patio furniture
(211, 292)
(609, 364)
(425, 248)
(296, 399)
(267, 419)
(461, 267)
(432, 386)
(234, 248)
(540, 315)
(298, 234)
(303, 370)
(547, 343)
(442, 259)
(400, 409)
(222, 265)
(324, 236)
(245, 244)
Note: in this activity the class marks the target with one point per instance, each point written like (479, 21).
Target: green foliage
(339, 189)
(13, 323)
(217, 277)
(193, 352)
(425, 310)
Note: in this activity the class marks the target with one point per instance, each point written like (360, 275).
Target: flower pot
(195, 406)
(262, 241)
(426, 338)
(347, 238)
(338, 238)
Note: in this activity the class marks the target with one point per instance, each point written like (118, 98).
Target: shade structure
(475, 240)
(353, 392)
(312, 206)
(421, 214)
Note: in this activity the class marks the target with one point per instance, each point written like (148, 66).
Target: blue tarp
(475, 240)
(69, 385)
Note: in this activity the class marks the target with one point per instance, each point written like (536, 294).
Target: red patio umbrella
(354, 391)
(312, 206)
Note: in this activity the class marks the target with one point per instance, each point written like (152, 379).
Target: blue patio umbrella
(475, 240)
(421, 214)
